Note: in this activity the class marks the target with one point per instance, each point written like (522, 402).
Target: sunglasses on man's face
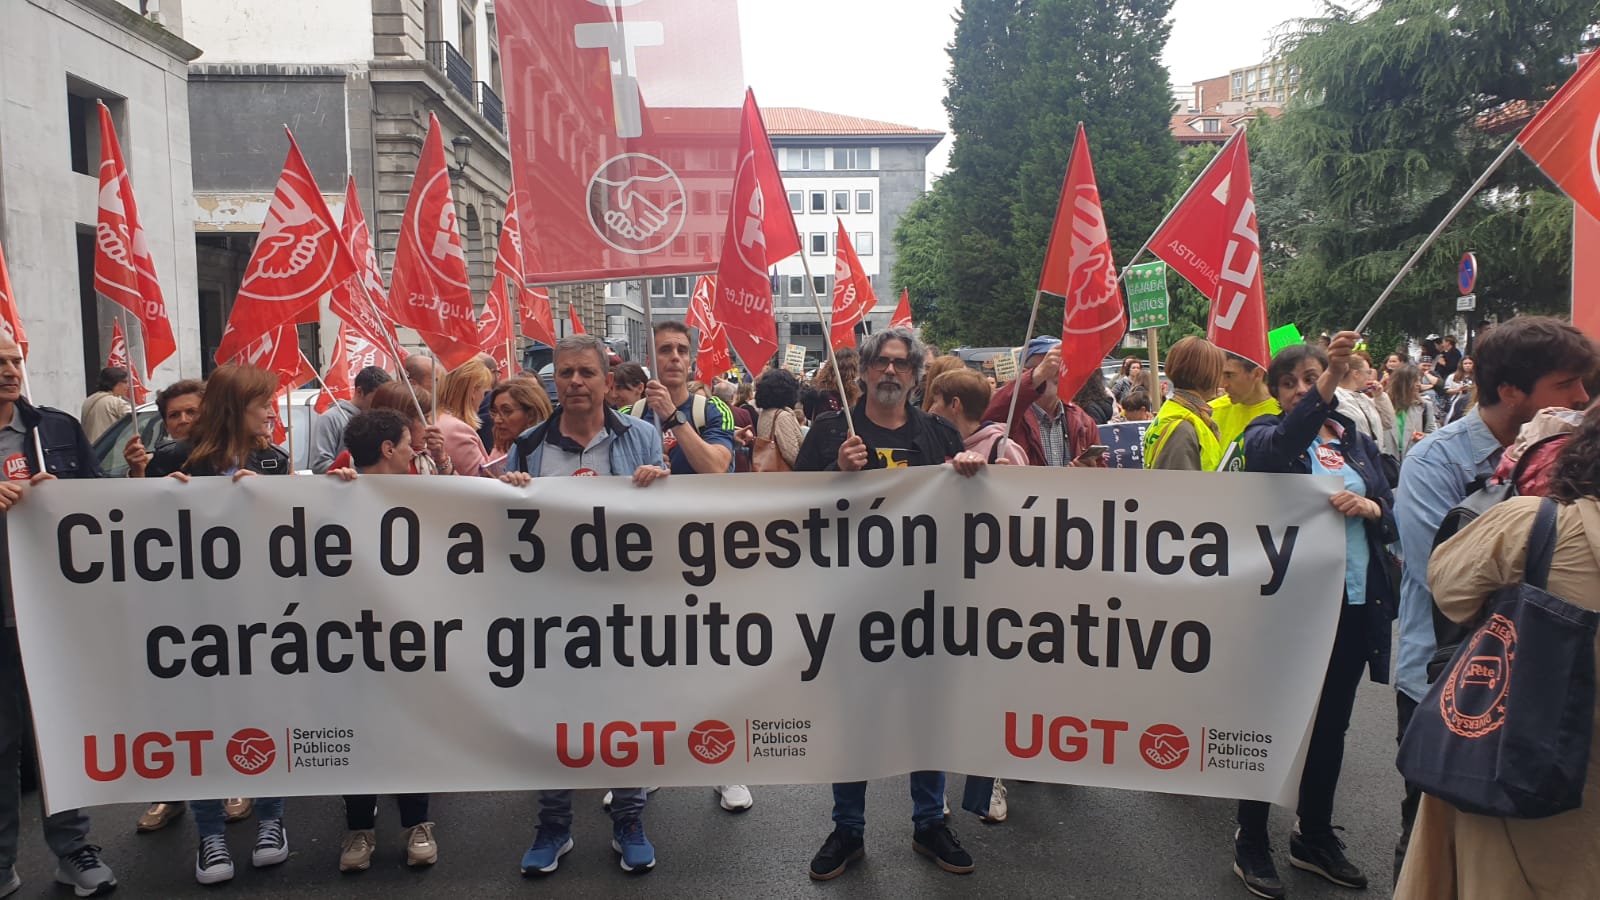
(884, 363)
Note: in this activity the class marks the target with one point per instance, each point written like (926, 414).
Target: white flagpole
(38, 444)
(1428, 242)
(127, 344)
(827, 341)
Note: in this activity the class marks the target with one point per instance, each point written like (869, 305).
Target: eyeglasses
(900, 364)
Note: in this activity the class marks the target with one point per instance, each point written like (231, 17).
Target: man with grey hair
(890, 433)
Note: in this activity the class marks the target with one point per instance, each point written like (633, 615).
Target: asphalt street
(1060, 841)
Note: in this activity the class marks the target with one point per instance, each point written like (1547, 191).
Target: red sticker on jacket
(17, 468)
(586, 473)
(1330, 457)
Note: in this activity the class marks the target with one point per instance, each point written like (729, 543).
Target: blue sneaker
(549, 845)
(627, 838)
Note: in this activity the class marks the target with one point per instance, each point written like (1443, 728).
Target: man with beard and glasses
(890, 433)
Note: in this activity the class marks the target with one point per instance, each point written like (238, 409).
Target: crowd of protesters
(1409, 439)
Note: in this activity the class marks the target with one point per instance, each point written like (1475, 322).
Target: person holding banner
(178, 406)
(231, 437)
(379, 443)
(1314, 438)
(327, 431)
(960, 395)
(1184, 436)
(515, 405)
(890, 433)
(584, 437)
(461, 393)
(24, 429)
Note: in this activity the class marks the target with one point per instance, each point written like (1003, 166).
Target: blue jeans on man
(927, 802)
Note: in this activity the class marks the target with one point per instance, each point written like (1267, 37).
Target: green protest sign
(1283, 336)
(1147, 295)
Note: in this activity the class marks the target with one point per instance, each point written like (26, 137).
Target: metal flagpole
(1176, 206)
(827, 341)
(649, 328)
(127, 343)
(38, 444)
(1033, 318)
(1449, 217)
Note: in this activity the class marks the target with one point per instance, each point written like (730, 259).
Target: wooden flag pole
(127, 344)
(1428, 242)
(1153, 377)
(827, 341)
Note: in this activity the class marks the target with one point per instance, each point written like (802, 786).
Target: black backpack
(1481, 495)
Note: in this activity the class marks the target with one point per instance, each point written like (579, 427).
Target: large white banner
(301, 636)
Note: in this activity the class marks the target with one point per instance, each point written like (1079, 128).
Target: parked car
(108, 447)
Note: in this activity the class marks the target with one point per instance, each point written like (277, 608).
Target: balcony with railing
(490, 104)
(455, 68)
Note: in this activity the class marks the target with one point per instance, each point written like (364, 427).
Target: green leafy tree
(1405, 104)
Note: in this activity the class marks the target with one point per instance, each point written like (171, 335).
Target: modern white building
(57, 58)
(836, 168)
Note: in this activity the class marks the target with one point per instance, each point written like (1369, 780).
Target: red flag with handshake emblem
(360, 301)
(711, 357)
(120, 359)
(760, 232)
(1212, 240)
(1078, 267)
(428, 289)
(10, 319)
(1562, 139)
(298, 258)
(624, 119)
(852, 293)
(123, 270)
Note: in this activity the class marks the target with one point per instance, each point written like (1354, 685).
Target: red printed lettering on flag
(123, 270)
(1078, 267)
(428, 289)
(760, 232)
(852, 293)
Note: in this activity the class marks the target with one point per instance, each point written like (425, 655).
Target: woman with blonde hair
(460, 396)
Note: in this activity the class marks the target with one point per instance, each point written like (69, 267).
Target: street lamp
(462, 146)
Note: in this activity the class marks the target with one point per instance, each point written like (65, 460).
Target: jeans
(361, 810)
(209, 820)
(976, 793)
(555, 807)
(1325, 754)
(1405, 708)
(927, 802)
(65, 832)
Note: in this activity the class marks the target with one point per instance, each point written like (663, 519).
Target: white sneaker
(735, 797)
(997, 804)
(212, 864)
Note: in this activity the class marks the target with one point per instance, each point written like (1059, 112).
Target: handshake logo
(636, 203)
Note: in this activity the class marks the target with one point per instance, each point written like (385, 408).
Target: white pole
(827, 341)
(1449, 217)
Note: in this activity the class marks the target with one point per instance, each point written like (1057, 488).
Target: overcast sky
(886, 60)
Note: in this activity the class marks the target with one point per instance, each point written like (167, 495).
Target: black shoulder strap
(1541, 545)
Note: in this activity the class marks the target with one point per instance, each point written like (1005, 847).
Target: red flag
(1078, 267)
(123, 269)
(577, 323)
(760, 232)
(711, 357)
(352, 353)
(119, 358)
(360, 301)
(494, 326)
(647, 118)
(428, 289)
(533, 308)
(1212, 240)
(852, 292)
(902, 313)
(1561, 138)
(10, 319)
(298, 258)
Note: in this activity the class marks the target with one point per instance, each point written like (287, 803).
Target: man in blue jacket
(586, 438)
(24, 428)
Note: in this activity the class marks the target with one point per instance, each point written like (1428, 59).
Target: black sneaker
(940, 845)
(840, 850)
(1252, 862)
(1324, 855)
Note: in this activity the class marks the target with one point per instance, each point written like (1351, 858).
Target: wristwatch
(677, 418)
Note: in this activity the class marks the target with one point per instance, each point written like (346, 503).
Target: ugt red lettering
(151, 757)
(616, 746)
(1065, 747)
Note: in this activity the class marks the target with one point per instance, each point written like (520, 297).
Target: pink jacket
(984, 438)
(462, 445)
